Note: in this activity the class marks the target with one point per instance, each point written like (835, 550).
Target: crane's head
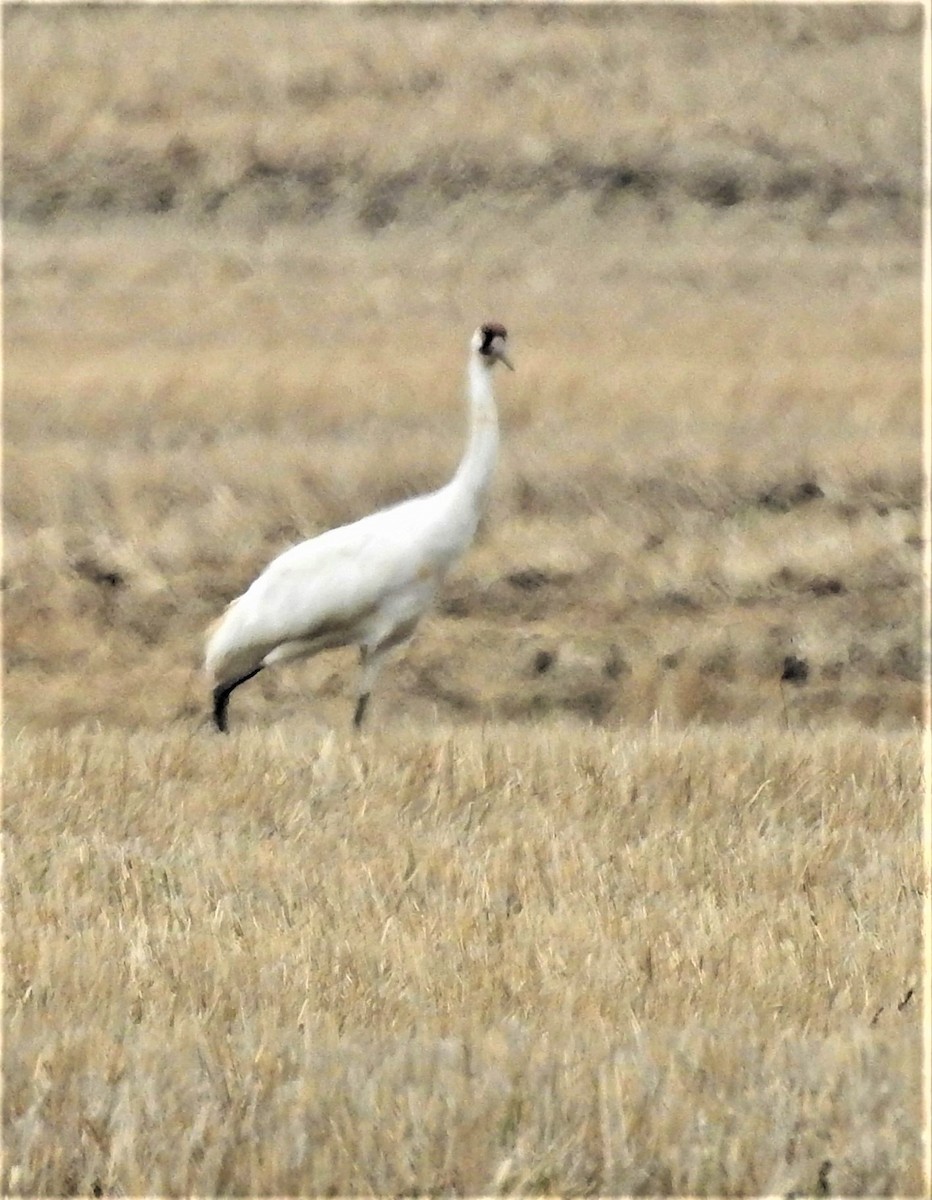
(489, 343)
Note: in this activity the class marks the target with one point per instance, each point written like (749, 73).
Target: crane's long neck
(472, 477)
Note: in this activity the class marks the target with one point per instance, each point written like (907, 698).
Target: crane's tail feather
(228, 656)
(217, 624)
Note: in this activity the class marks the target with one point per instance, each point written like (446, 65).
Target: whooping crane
(367, 583)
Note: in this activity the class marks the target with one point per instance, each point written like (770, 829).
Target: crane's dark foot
(360, 710)
(222, 698)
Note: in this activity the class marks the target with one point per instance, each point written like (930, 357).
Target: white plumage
(367, 583)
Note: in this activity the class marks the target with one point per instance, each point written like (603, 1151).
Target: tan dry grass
(487, 948)
(295, 112)
(472, 961)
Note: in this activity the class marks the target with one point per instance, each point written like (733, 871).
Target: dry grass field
(600, 903)
(534, 960)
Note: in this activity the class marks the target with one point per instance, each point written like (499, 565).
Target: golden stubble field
(599, 903)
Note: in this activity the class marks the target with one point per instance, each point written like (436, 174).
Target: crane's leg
(360, 711)
(371, 659)
(371, 656)
(222, 698)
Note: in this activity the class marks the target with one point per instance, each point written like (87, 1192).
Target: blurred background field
(243, 259)
(596, 850)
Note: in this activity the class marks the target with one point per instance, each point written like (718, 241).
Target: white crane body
(369, 582)
(367, 578)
